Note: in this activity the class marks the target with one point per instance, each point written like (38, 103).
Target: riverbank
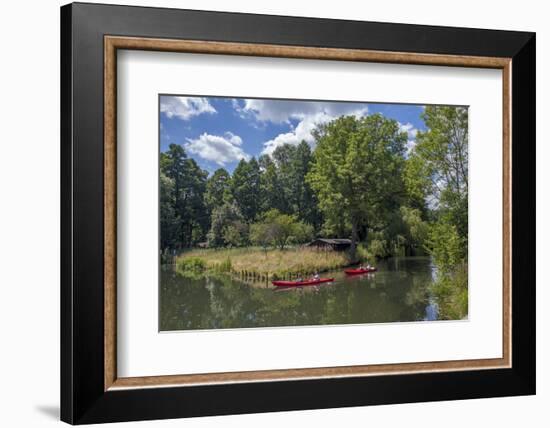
(451, 291)
(256, 264)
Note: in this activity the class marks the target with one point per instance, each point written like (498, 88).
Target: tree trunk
(353, 248)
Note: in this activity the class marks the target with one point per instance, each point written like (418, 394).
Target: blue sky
(220, 131)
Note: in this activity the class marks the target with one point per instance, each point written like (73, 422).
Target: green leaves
(217, 188)
(359, 181)
(357, 169)
(439, 161)
(279, 229)
(183, 215)
(437, 170)
(286, 176)
(446, 245)
(228, 227)
(245, 188)
(417, 179)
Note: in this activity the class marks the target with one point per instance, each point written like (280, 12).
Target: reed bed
(257, 264)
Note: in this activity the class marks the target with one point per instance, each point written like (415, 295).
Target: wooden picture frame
(91, 390)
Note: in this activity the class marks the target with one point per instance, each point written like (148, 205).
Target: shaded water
(398, 292)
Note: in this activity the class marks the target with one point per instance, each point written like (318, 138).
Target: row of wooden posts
(266, 276)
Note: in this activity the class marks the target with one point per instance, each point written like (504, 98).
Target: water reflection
(398, 292)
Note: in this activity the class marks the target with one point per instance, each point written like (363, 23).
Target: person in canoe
(316, 276)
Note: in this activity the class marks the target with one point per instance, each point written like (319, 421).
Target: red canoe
(302, 283)
(359, 271)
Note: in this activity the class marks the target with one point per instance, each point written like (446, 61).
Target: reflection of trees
(183, 307)
(397, 293)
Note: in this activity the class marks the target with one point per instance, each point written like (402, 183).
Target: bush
(364, 254)
(279, 230)
(378, 248)
(451, 290)
(190, 264)
(446, 246)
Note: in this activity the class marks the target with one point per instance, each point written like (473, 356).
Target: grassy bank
(257, 264)
(451, 290)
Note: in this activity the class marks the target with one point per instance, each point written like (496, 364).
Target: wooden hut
(335, 244)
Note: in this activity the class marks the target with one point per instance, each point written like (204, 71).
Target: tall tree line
(219, 209)
(360, 182)
(183, 214)
(437, 172)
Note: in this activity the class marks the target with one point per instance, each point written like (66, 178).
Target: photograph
(283, 212)
(260, 211)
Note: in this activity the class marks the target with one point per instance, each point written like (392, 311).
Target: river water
(397, 292)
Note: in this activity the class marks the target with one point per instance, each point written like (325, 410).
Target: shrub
(378, 248)
(364, 254)
(190, 264)
(451, 289)
(446, 246)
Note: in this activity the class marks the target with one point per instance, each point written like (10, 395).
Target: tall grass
(255, 263)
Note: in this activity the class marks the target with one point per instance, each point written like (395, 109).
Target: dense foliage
(360, 182)
(265, 202)
(357, 173)
(437, 171)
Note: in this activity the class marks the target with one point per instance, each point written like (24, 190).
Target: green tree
(437, 169)
(415, 229)
(282, 229)
(272, 194)
(217, 188)
(169, 221)
(196, 218)
(357, 170)
(245, 188)
(292, 165)
(303, 199)
(235, 234)
(261, 234)
(303, 232)
(227, 226)
(188, 184)
(446, 245)
(282, 226)
(417, 180)
(404, 234)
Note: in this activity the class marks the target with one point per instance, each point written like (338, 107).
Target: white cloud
(282, 111)
(409, 129)
(185, 107)
(308, 114)
(239, 107)
(410, 145)
(302, 131)
(217, 148)
(411, 134)
(236, 104)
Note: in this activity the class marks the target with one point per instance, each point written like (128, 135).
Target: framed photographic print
(265, 213)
